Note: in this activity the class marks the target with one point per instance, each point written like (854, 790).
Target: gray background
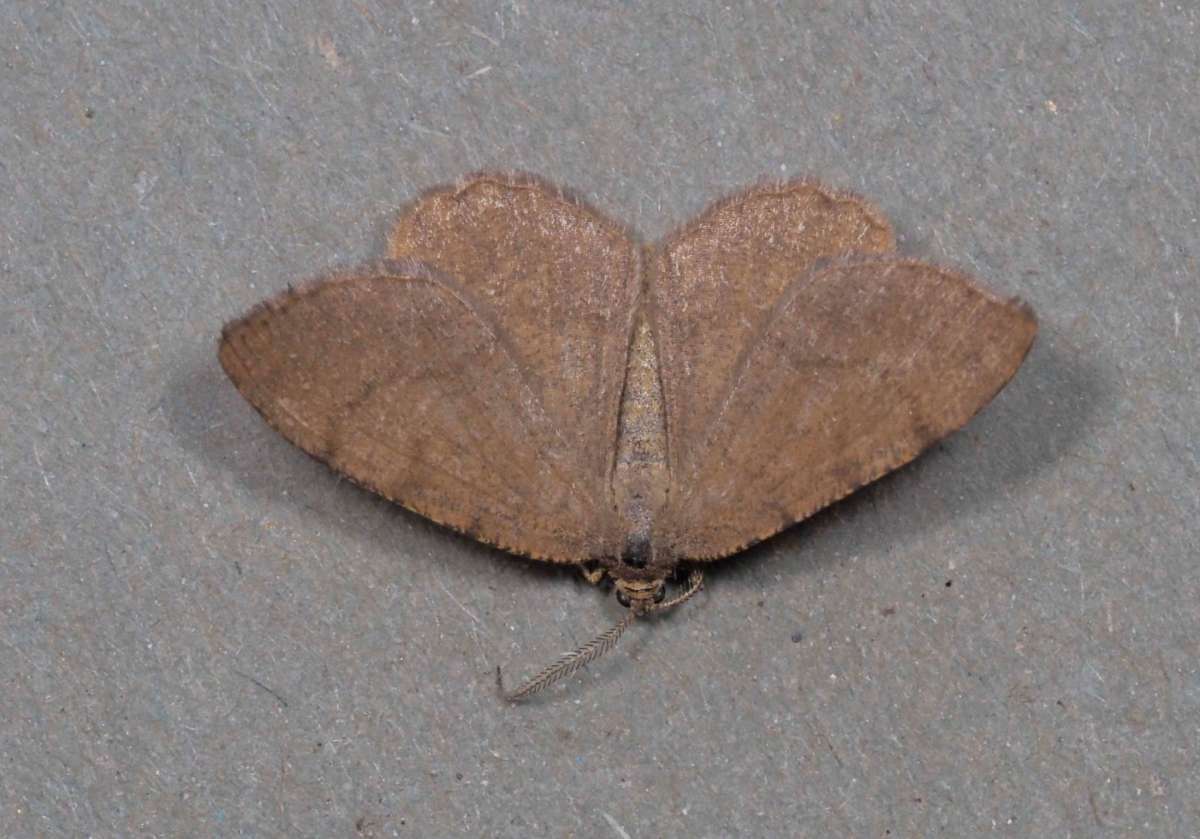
(204, 632)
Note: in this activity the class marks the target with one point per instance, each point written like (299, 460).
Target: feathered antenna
(568, 663)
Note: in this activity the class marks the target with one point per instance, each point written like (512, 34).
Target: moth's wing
(561, 281)
(716, 281)
(404, 382)
(858, 368)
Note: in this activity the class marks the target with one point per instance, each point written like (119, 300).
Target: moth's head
(640, 595)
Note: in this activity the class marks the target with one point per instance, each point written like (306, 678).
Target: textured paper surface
(204, 632)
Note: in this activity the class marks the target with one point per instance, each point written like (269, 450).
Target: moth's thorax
(640, 478)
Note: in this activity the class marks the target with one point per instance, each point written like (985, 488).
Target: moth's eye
(660, 594)
(623, 598)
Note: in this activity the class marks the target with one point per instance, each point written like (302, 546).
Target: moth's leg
(593, 573)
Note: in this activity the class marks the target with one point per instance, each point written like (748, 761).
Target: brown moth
(522, 370)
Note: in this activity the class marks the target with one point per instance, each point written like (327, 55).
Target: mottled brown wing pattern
(400, 379)
(714, 283)
(858, 368)
(562, 282)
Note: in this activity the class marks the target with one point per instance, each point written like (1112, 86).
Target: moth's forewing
(856, 370)
(397, 377)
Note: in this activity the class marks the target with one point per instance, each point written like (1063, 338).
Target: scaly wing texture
(562, 282)
(714, 283)
(857, 369)
(405, 382)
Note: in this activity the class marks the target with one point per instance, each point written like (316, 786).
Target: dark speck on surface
(797, 636)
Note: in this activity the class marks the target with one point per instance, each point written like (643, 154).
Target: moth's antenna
(568, 663)
(695, 583)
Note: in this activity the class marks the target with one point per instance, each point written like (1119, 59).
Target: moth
(523, 370)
